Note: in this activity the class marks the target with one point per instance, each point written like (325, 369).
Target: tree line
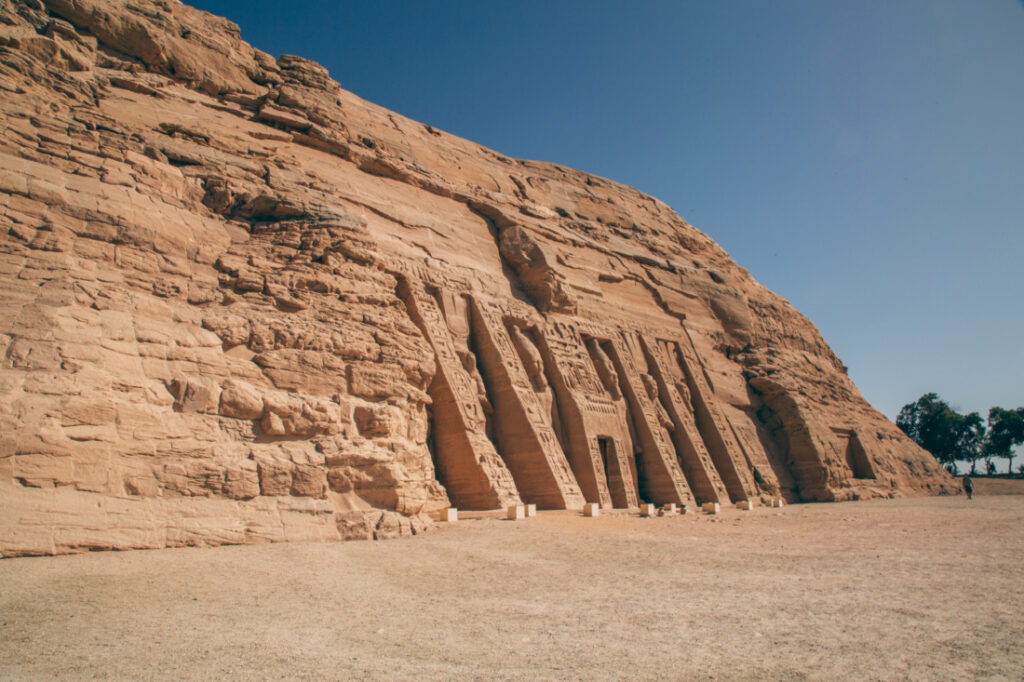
(952, 437)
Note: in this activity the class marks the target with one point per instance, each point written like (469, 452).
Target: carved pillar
(717, 434)
(577, 388)
(522, 414)
(663, 478)
(467, 463)
(693, 454)
(756, 457)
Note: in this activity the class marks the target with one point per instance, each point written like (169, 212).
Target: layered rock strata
(240, 304)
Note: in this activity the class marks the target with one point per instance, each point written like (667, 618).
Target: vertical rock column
(467, 463)
(693, 454)
(523, 430)
(725, 451)
(663, 480)
(764, 474)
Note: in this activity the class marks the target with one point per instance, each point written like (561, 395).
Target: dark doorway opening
(605, 445)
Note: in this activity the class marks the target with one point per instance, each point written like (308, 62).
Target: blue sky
(865, 159)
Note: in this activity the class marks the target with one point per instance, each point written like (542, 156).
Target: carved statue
(469, 364)
(652, 392)
(530, 357)
(468, 360)
(684, 392)
(605, 369)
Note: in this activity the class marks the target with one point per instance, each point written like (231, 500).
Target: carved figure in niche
(605, 369)
(534, 365)
(651, 386)
(468, 360)
(455, 313)
(530, 357)
(684, 393)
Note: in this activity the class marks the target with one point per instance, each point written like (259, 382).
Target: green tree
(944, 432)
(935, 426)
(972, 439)
(1005, 431)
(951, 436)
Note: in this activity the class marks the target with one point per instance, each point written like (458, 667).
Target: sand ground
(927, 588)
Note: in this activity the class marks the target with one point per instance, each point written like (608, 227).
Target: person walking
(968, 486)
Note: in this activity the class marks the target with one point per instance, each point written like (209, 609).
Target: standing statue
(530, 357)
(605, 369)
(532, 361)
(684, 393)
(468, 360)
(652, 392)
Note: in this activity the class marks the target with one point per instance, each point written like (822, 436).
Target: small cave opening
(857, 458)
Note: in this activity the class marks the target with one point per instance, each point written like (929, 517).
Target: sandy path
(922, 589)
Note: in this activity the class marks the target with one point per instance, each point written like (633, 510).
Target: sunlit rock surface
(240, 304)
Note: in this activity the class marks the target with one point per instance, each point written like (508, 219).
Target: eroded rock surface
(241, 304)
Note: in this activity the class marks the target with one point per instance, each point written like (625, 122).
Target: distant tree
(933, 425)
(951, 436)
(972, 439)
(1005, 431)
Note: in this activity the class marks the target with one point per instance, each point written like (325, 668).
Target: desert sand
(925, 588)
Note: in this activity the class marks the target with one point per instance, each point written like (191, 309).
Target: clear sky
(864, 158)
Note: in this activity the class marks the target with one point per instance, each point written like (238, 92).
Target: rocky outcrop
(241, 304)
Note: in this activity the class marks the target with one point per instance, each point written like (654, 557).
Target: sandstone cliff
(240, 304)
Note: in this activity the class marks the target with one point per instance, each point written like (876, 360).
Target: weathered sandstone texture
(240, 304)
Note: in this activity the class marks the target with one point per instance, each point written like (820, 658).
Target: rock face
(240, 304)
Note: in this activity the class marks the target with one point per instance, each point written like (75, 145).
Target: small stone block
(711, 508)
(777, 502)
(449, 515)
(531, 510)
(648, 510)
(516, 512)
(669, 508)
(745, 505)
(591, 509)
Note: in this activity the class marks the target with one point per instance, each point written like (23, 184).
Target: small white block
(745, 505)
(777, 502)
(669, 508)
(710, 508)
(647, 509)
(516, 512)
(449, 515)
(591, 509)
(531, 510)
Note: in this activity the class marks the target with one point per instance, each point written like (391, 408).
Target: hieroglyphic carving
(567, 350)
(582, 403)
(620, 462)
(693, 455)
